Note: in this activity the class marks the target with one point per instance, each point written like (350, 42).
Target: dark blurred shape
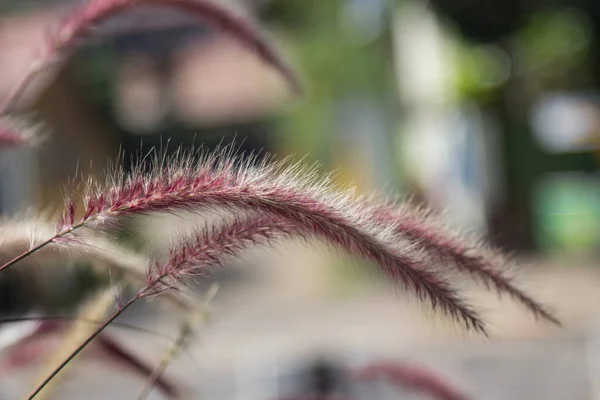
(14, 299)
(495, 20)
(323, 378)
(485, 20)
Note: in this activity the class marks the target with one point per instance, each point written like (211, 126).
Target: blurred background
(488, 110)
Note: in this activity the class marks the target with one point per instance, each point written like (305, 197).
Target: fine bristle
(483, 264)
(209, 247)
(293, 193)
(291, 200)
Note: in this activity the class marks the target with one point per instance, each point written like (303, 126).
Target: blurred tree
(343, 49)
(512, 53)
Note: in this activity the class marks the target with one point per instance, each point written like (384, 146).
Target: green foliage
(480, 70)
(335, 61)
(553, 42)
(550, 48)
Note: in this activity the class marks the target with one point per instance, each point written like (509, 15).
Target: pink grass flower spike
(293, 194)
(448, 248)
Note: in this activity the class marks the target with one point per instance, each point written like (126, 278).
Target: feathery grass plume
(407, 375)
(294, 194)
(15, 132)
(486, 265)
(210, 247)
